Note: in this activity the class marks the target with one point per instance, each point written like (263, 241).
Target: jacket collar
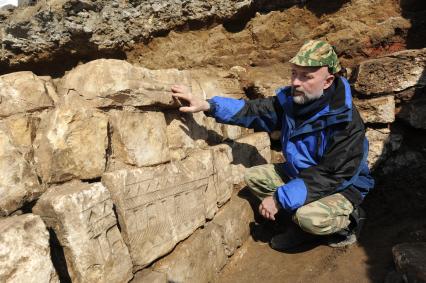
(339, 109)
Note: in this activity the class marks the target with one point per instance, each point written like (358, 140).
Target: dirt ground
(370, 260)
(394, 215)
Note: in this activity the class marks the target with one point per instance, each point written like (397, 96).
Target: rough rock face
(22, 92)
(159, 206)
(24, 246)
(377, 110)
(82, 217)
(382, 142)
(18, 182)
(139, 138)
(200, 257)
(392, 73)
(71, 143)
(410, 261)
(249, 151)
(68, 25)
(108, 83)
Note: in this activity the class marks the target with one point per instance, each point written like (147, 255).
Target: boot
(351, 234)
(292, 238)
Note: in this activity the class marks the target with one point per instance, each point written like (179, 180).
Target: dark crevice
(93, 180)
(58, 258)
(114, 209)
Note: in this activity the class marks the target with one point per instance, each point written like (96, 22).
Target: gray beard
(305, 98)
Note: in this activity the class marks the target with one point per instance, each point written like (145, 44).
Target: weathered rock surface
(392, 73)
(82, 217)
(233, 221)
(109, 82)
(412, 108)
(381, 143)
(71, 143)
(199, 258)
(410, 260)
(147, 275)
(249, 151)
(66, 26)
(222, 159)
(139, 138)
(185, 132)
(18, 183)
(159, 206)
(23, 92)
(25, 253)
(377, 110)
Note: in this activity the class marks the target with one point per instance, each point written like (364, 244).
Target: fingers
(188, 109)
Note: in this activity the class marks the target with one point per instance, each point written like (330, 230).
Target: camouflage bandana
(317, 53)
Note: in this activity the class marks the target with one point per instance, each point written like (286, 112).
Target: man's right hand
(195, 104)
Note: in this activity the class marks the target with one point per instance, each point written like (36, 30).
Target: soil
(389, 221)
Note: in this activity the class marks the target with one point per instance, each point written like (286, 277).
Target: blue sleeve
(292, 195)
(259, 114)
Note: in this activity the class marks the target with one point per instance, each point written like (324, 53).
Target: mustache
(298, 89)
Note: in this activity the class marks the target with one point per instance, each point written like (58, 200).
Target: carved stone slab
(159, 206)
(83, 219)
(25, 252)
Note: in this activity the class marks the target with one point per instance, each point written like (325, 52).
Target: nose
(295, 81)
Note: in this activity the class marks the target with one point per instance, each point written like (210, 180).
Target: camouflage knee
(263, 180)
(325, 216)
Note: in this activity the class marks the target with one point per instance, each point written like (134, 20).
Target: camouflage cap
(317, 53)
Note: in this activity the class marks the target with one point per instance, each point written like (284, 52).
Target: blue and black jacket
(325, 154)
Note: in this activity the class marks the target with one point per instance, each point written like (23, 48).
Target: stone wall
(127, 184)
(103, 161)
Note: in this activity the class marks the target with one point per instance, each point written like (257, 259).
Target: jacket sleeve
(260, 114)
(340, 162)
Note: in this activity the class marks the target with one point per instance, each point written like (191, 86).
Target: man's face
(308, 83)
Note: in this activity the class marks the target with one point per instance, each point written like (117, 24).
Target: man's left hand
(268, 208)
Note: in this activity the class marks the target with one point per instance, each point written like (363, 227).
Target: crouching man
(325, 175)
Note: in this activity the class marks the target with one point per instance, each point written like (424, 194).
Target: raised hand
(195, 104)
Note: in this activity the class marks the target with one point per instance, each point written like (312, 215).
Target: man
(325, 176)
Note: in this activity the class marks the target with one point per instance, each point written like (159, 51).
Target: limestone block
(214, 131)
(249, 151)
(110, 82)
(159, 206)
(197, 259)
(82, 217)
(391, 73)
(185, 132)
(149, 276)
(207, 84)
(222, 156)
(25, 252)
(71, 143)
(22, 92)
(381, 143)
(233, 221)
(413, 111)
(410, 260)
(139, 138)
(232, 132)
(377, 110)
(18, 181)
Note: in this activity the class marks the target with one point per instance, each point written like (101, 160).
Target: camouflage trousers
(322, 217)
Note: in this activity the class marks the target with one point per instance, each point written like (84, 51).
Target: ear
(328, 81)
